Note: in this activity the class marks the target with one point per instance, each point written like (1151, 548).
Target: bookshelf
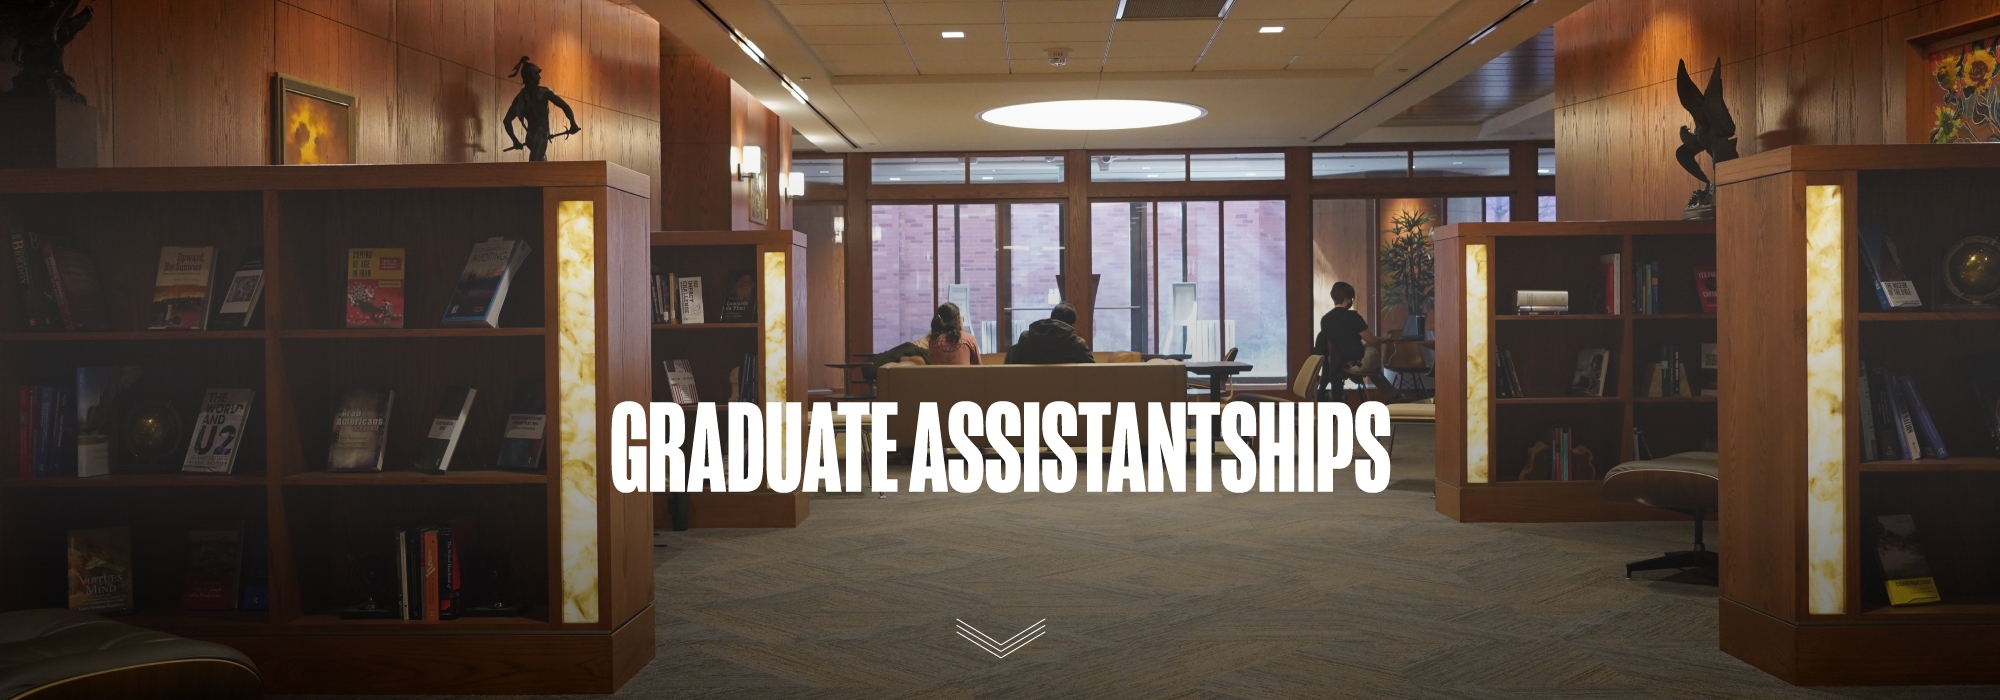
(579, 553)
(777, 259)
(1483, 437)
(1799, 598)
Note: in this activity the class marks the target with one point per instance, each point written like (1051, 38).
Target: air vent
(1173, 9)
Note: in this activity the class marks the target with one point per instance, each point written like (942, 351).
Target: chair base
(1695, 559)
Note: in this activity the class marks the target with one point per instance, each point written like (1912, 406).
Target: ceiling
(1511, 80)
(882, 76)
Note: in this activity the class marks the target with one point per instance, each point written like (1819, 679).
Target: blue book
(482, 286)
(1892, 288)
(1933, 444)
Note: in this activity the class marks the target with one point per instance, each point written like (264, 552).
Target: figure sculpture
(40, 29)
(1714, 133)
(531, 107)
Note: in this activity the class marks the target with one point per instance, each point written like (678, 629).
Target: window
(1361, 164)
(1237, 166)
(1545, 208)
(928, 254)
(1034, 257)
(916, 171)
(821, 171)
(1192, 278)
(1545, 161)
(1144, 168)
(1017, 169)
(1467, 163)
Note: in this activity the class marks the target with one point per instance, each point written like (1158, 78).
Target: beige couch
(907, 385)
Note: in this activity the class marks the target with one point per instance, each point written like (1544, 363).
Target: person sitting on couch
(1051, 341)
(946, 342)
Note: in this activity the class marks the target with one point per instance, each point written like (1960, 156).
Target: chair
(58, 654)
(1304, 383)
(1407, 361)
(1199, 385)
(1684, 483)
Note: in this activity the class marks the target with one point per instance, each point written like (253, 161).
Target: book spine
(56, 286)
(25, 446)
(1906, 430)
(402, 576)
(1868, 447)
(33, 292)
(1888, 441)
(1926, 430)
(430, 564)
(448, 586)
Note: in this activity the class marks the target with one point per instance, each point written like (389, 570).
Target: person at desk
(1351, 352)
(947, 342)
(1051, 341)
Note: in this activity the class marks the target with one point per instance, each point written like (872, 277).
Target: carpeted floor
(1261, 595)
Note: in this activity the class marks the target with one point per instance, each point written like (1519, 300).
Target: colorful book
(100, 570)
(214, 572)
(31, 279)
(1892, 288)
(445, 428)
(1906, 573)
(680, 382)
(1613, 291)
(99, 404)
(375, 287)
(428, 542)
(218, 431)
(482, 285)
(74, 279)
(1704, 284)
(527, 424)
(687, 295)
(1927, 432)
(239, 302)
(180, 288)
(360, 430)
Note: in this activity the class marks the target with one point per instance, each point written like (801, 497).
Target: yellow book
(1905, 571)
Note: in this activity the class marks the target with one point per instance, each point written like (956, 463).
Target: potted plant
(1407, 267)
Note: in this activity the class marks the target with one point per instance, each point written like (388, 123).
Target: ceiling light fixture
(1092, 115)
(1270, 30)
(953, 35)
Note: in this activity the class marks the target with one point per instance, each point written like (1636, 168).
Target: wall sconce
(795, 184)
(750, 164)
(839, 227)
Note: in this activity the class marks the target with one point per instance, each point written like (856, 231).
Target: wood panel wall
(1794, 71)
(187, 82)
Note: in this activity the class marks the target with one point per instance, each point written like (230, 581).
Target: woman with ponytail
(947, 342)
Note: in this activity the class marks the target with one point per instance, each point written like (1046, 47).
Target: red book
(1704, 282)
(430, 544)
(74, 280)
(215, 567)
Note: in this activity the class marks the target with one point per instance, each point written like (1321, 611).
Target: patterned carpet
(1342, 595)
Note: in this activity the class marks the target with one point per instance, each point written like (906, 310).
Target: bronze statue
(40, 29)
(531, 106)
(1714, 133)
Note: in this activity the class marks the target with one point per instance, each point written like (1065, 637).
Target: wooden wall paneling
(191, 79)
(550, 33)
(377, 17)
(826, 274)
(317, 49)
(446, 112)
(459, 31)
(860, 260)
(1450, 379)
(695, 175)
(88, 60)
(623, 50)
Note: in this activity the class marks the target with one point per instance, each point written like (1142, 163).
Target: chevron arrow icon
(997, 648)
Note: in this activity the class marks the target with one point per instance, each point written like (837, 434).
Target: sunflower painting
(311, 124)
(1967, 100)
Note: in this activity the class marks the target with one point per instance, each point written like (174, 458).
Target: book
(1591, 366)
(375, 287)
(239, 302)
(1927, 432)
(1893, 289)
(99, 393)
(687, 295)
(26, 399)
(31, 278)
(663, 297)
(218, 431)
(256, 589)
(527, 424)
(360, 430)
(1870, 451)
(445, 428)
(215, 567)
(1711, 362)
(180, 288)
(1704, 285)
(1640, 449)
(746, 379)
(1906, 573)
(680, 382)
(1905, 425)
(100, 570)
(403, 569)
(1888, 432)
(482, 285)
(739, 307)
(74, 279)
(1613, 291)
(427, 541)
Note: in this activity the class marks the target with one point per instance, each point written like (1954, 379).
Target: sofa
(59, 654)
(907, 385)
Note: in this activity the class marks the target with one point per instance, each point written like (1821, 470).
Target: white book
(218, 431)
(680, 382)
(687, 290)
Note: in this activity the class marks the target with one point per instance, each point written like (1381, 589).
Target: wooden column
(1076, 240)
(695, 140)
(860, 261)
(1521, 160)
(1298, 257)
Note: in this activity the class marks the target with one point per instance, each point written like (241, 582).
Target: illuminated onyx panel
(576, 350)
(1478, 459)
(776, 328)
(1826, 385)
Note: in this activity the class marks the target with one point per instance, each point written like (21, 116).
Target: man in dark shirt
(1343, 339)
(1051, 341)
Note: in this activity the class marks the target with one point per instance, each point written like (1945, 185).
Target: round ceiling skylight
(1093, 115)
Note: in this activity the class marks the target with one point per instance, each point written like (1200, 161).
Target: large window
(1193, 278)
(928, 254)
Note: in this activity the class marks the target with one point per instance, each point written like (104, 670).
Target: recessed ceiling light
(1269, 30)
(953, 35)
(1092, 115)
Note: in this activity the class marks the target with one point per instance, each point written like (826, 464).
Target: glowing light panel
(1093, 115)
(1826, 387)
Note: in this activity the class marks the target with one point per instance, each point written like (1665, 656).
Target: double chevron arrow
(997, 648)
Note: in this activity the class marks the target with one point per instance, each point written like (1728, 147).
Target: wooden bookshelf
(587, 625)
(1563, 256)
(776, 258)
(1798, 598)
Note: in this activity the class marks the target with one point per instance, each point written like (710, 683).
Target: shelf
(1673, 317)
(411, 333)
(1544, 483)
(1547, 400)
(1955, 464)
(134, 481)
(701, 326)
(55, 337)
(415, 478)
(1557, 317)
(331, 621)
(199, 623)
(1973, 606)
(1929, 315)
(1674, 399)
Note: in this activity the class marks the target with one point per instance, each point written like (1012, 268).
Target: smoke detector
(1058, 56)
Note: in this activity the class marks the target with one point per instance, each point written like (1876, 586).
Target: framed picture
(1949, 83)
(760, 197)
(310, 124)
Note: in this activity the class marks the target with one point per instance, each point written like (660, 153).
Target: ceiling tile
(1285, 9)
(1165, 30)
(1354, 45)
(1034, 11)
(823, 34)
(862, 52)
(1396, 8)
(953, 67)
(856, 14)
(1077, 50)
(1077, 64)
(934, 33)
(1149, 63)
(1237, 62)
(1057, 31)
(903, 67)
(1141, 49)
(945, 12)
(1374, 26)
(1331, 62)
(958, 52)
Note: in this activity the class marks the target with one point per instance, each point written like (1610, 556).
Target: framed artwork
(760, 196)
(310, 124)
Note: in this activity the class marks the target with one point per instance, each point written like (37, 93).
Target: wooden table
(1218, 373)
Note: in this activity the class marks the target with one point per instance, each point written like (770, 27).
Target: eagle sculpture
(1714, 133)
